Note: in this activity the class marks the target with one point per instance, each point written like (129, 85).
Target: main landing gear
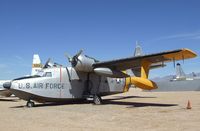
(97, 100)
(30, 104)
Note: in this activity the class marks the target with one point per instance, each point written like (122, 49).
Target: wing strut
(183, 58)
(174, 62)
(145, 66)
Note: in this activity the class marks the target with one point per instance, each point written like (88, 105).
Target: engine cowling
(84, 63)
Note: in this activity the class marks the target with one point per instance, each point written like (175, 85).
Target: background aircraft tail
(137, 71)
(180, 74)
(37, 64)
(36, 67)
(138, 50)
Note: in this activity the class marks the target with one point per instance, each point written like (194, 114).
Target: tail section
(138, 50)
(139, 76)
(180, 74)
(37, 64)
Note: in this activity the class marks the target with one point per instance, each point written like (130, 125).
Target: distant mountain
(169, 77)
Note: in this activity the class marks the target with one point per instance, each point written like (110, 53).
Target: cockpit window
(48, 74)
(41, 73)
(45, 74)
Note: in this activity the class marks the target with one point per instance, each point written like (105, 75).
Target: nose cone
(7, 85)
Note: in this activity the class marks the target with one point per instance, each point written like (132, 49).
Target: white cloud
(19, 58)
(193, 35)
(2, 66)
(21, 62)
(197, 37)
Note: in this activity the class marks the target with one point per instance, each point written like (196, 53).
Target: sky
(104, 29)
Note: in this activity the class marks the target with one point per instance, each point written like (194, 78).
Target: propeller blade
(47, 63)
(73, 60)
(79, 53)
(68, 57)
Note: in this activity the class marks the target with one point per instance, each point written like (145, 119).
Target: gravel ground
(135, 110)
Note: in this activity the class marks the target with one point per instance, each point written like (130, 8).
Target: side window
(48, 74)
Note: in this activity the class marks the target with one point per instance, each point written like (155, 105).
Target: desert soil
(135, 110)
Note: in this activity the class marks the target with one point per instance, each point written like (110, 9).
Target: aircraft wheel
(8, 95)
(30, 104)
(97, 100)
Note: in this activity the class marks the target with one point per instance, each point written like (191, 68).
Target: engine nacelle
(84, 63)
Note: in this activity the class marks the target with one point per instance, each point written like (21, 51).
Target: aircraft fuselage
(58, 84)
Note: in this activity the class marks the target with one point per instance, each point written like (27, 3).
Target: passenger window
(48, 74)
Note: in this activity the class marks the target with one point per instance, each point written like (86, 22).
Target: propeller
(74, 60)
(47, 64)
(68, 57)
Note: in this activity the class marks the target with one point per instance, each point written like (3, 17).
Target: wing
(136, 62)
(137, 71)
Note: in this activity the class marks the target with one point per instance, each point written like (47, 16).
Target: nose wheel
(97, 100)
(30, 104)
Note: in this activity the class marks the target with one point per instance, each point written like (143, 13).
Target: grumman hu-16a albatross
(36, 67)
(90, 78)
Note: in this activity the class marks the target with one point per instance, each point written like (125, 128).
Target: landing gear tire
(30, 104)
(97, 100)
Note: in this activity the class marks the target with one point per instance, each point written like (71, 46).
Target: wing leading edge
(136, 62)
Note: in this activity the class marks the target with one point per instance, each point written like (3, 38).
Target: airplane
(36, 67)
(178, 82)
(90, 78)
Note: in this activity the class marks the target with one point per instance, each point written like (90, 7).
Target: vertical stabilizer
(138, 50)
(180, 74)
(37, 64)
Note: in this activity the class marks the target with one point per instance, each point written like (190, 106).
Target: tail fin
(138, 50)
(37, 64)
(180, 74)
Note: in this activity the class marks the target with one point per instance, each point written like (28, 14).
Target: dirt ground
(135, 110)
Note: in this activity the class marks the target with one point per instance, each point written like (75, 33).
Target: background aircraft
(179, 82)
(36, 67)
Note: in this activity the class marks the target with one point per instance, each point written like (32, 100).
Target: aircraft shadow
(62, 103)
(111, 101)
(8, 100)
(127, 97)
(136, 104)
(49, 104)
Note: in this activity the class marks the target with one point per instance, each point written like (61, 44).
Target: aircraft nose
(7, 85)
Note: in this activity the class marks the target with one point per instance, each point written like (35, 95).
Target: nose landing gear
(30, 104)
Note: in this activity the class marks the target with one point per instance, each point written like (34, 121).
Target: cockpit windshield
(48, 74)
(44, 74)
(40, 73)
